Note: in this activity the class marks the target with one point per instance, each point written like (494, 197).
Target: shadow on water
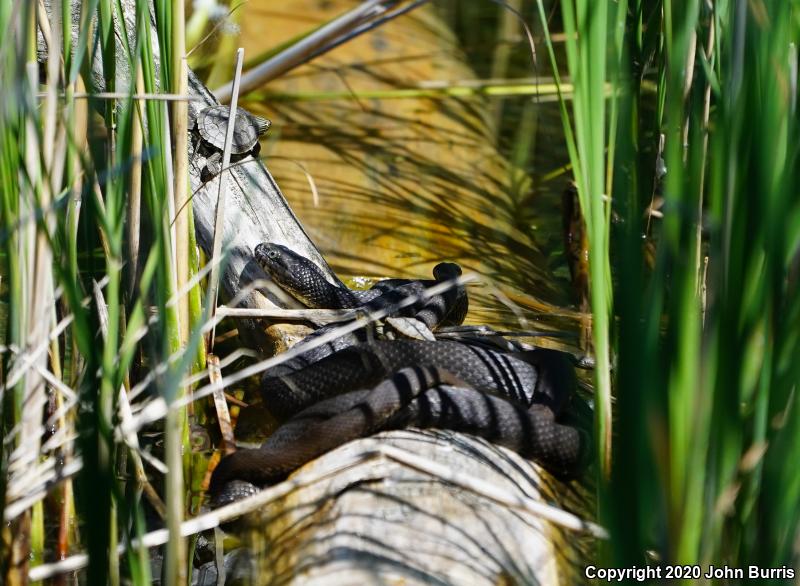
(406, 183)
(420, 201)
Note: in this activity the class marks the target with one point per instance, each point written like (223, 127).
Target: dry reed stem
(223, 415)
(312, 185)
(219, 216)
(40, 280)
(134, 208)
(180, 120)
(139, 96)
(317, 316)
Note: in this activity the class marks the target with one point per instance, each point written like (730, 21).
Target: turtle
(209, 127)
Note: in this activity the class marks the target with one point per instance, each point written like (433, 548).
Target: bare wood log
(400, 525)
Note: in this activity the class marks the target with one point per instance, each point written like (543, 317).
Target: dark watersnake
(363, 386)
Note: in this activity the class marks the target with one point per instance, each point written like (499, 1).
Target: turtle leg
(195, 140)
(213, 166)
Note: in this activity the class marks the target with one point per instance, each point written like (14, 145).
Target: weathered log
(398, 525)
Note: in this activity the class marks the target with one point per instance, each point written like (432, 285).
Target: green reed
(586, 25)
(61, 197)
(706, 419)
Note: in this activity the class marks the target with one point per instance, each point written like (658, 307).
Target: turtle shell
(212, 122)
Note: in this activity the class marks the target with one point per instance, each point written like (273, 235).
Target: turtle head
(262, 124)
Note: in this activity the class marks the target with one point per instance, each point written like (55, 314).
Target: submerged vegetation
(681, 123)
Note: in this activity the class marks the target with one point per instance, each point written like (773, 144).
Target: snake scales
(360, 386)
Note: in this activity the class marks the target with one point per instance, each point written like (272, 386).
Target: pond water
(408, 171)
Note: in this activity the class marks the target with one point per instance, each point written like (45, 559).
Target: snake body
(306, 282)
(418, 396)
(364, 365)
(360, 387)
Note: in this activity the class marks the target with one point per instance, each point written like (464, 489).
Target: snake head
(276, 259)
(293, 273)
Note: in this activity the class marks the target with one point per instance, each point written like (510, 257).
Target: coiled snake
(511, 399)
